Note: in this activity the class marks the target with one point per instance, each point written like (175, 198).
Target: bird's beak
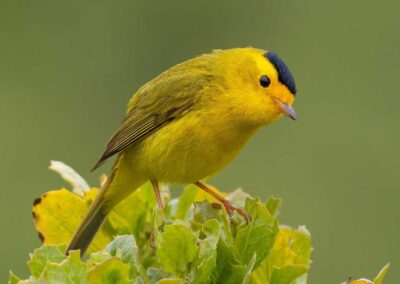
(287, 109)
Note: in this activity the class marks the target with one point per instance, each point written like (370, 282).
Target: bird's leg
(160, 207)
(227, 204)
(157, 193)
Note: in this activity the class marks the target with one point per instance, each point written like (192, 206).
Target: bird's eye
(264, 81)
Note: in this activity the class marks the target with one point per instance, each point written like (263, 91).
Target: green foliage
(377, 280)
(176, 248)
(191, 241)
(44, 254)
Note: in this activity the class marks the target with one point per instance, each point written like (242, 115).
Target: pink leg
(157, 193)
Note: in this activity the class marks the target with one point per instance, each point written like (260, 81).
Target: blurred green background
(68, 68)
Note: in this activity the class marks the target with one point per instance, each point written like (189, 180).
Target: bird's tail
(89, 226)
(122, 182)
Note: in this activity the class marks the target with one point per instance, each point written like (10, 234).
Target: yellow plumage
(189, 122)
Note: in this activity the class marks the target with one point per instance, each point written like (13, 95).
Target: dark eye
(264, 81)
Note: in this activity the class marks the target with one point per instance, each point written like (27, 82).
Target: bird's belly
(184, 151)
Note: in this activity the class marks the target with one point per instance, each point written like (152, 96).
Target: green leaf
(239, 274)
(225, 260)
(125, 248)
(171, 281)
(153, 275)
(206, 261)
(238, 197)
(70, 271)
(288, 260)
(176, 248)
(185, 202)
(379, 278)
(33, 281)
(156, 246)
(274, 206)
(43, 255)
(292, 246)
(98, 257)
(262, 274)
(13, 279)
(302, 279)
(113, 270)
(360, 281)
(249, 268)
(204, 211)
(287, 274)
(290, 256)
(258, 236)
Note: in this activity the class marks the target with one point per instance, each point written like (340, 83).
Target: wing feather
(135, 127)
(162, 100)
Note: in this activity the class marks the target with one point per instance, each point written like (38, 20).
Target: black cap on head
(284, 74)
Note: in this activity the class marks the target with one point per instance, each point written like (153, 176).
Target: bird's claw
(230, 209)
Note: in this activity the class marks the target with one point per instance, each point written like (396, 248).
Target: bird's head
(262, 84)
(279, 84)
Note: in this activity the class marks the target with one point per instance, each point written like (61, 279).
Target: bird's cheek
(282, 94)
(270, 112)
(291, 100)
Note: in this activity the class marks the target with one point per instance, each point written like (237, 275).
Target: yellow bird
(188, 123)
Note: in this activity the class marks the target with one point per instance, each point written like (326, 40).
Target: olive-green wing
(162, 100)
(137, 126)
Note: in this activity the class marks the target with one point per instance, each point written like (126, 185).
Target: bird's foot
(230, 209)
(227, 204)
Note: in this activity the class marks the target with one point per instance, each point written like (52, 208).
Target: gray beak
(287, 109)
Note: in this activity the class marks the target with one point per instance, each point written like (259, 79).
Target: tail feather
(121, 183)
(84, 236)
(89, 226)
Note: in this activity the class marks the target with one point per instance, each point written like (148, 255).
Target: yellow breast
(192, 148)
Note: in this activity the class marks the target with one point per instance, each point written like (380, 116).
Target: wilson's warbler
(188, 123)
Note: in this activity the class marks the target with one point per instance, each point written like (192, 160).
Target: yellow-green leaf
(379, 278)
(13, 279)
(171, 281)
(44, 255)
(206, 261)
(57, 214)
(186, 201)
(288, 260)
(176, 248)
(70, 271)
(292, 246)
(112, 270)
(258, 236)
